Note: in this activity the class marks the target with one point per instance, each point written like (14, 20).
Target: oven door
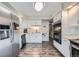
(57, 33)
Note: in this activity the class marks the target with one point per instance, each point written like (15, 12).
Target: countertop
(32, 33)
(74, 40)
(72, 37)
(75, 43)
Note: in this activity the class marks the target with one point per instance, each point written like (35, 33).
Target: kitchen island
(33, 37)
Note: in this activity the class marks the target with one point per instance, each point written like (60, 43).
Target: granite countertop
(75, 43)
(72, 37)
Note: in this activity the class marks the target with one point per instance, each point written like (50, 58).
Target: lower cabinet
(34, 38)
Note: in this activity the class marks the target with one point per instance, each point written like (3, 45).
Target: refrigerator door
(8, 45)
(5, 48)
(15, 35)
(5, 42)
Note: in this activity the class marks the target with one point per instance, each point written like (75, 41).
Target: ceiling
(27, 10)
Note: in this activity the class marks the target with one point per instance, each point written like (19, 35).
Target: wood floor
(39, 50)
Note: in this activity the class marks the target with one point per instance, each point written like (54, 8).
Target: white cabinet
(45, 37)
(33, 38)
(68, 4)
(57, 17)
(36, 22)
(74, 16)
(27, 37)
(29, 23)
(36, 38)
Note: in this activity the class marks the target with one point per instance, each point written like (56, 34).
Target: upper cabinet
(73, 16)
(68, 4)
(30, 23)
(57, 17)
(36, 22)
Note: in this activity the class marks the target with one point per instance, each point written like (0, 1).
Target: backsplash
(77, 30)
(73, 31)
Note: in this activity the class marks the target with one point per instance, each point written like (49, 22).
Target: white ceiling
(27, 9)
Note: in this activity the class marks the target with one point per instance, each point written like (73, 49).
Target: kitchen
(19, 30)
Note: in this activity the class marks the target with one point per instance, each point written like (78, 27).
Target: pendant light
(38, 6)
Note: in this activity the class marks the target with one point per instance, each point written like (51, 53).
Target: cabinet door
(36, 38)
(74, 16)
(28, 38)
(36, 22)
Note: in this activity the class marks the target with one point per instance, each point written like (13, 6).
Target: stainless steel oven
(57, 32)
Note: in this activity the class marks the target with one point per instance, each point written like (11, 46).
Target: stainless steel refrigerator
(9, 37)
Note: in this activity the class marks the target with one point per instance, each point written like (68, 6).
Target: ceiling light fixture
(38, 6)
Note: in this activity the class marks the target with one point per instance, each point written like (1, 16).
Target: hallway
(39, 50)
